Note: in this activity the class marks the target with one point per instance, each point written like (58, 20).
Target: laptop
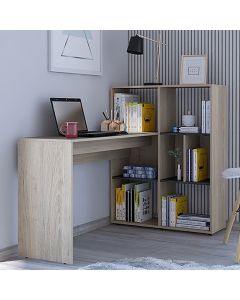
(71, 110)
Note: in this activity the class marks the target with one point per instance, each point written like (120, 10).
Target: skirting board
(12, 251)
(84, 228)
(8, 252)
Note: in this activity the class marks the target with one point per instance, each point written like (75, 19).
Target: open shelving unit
(204, 197)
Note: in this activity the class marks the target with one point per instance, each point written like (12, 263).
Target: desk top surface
(94, 139)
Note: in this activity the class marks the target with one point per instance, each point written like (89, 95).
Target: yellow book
(146, 117)
(178, 206)
(118, 204)
(199, 164)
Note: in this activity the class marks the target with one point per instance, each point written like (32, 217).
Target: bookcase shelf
(153, 223)
(185, 133)
(205, 197)
(174, 179)
(134, 179)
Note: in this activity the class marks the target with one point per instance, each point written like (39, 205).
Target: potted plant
(177, 154)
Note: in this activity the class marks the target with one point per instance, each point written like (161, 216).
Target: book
(146, 117)
(192, 222)
(137, 205)
(189, 165)
(164, 210)
(125, 187)
(188, 129)
(203, 116)
(133, 117)
(208, 117)
(144, 211)
(119, 212)
(199, 164)
(168, 208)
(193, 226)
(178, 205)
(194, 217)
(128, 206)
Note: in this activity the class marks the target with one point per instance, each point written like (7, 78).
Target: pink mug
(69, 129)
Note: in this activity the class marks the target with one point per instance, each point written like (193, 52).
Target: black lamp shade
(135, 45)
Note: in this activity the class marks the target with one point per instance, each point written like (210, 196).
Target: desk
(45, 174)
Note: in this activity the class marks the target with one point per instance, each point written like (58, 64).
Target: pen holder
(108, 125)
(105, 125)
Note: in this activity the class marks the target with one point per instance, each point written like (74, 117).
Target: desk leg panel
(45, 200)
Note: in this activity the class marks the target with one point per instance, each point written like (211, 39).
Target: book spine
(122, 205)
(164, 210)
(126, 200)
(194, 166)
(189, 222)
(116, 106)
(126, 118)
(187, 165)
(117, 204)
(132, 205)
(203, 116)
(193, 218)
(167, 211)
(135, 117)
(172, 213)
(208, 116)
(130, 117)
(137, 207)
(139, 118)
(193, 226)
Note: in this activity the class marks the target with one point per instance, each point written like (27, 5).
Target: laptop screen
(69, 110)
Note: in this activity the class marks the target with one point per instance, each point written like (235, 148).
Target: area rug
(150, 263)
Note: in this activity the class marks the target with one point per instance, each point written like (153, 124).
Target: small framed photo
(193, 69)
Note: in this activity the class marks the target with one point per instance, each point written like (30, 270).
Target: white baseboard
(84, 228)
(8, 252)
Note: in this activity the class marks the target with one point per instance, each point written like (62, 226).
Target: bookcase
(204, 197)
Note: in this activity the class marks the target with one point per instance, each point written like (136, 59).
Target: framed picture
(75, 51)
(193, 69)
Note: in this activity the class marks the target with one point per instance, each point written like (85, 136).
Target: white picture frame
(193, 69)
(75, 51)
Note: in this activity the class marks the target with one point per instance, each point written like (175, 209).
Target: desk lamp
(135, 46)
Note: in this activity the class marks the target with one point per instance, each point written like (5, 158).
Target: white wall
(25, 89)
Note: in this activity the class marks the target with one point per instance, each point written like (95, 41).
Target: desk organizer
(115, 125)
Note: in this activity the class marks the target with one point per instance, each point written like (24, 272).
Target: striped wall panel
(222, 49)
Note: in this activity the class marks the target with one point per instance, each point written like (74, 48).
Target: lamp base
(152, 83)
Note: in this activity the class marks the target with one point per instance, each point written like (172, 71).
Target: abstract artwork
(75, 51)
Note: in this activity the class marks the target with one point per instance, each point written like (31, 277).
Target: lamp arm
(146, 38)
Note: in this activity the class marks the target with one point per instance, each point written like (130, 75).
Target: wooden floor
(116, 242)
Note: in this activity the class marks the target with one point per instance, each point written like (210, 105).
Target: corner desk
(45, 186)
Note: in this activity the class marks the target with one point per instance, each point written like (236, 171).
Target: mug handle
(63, 128)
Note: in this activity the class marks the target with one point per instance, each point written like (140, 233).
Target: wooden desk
(45, 170)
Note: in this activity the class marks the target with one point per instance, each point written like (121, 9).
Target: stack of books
(172, 206)
(134, 202)
(137, 117)
(189, 129)
(139, 172)
(206, 116)
(201, 222)
(196, 164)
(121, 101)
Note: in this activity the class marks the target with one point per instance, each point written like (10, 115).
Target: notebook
(71, 110)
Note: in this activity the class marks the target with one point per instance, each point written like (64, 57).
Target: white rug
(150, 263)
